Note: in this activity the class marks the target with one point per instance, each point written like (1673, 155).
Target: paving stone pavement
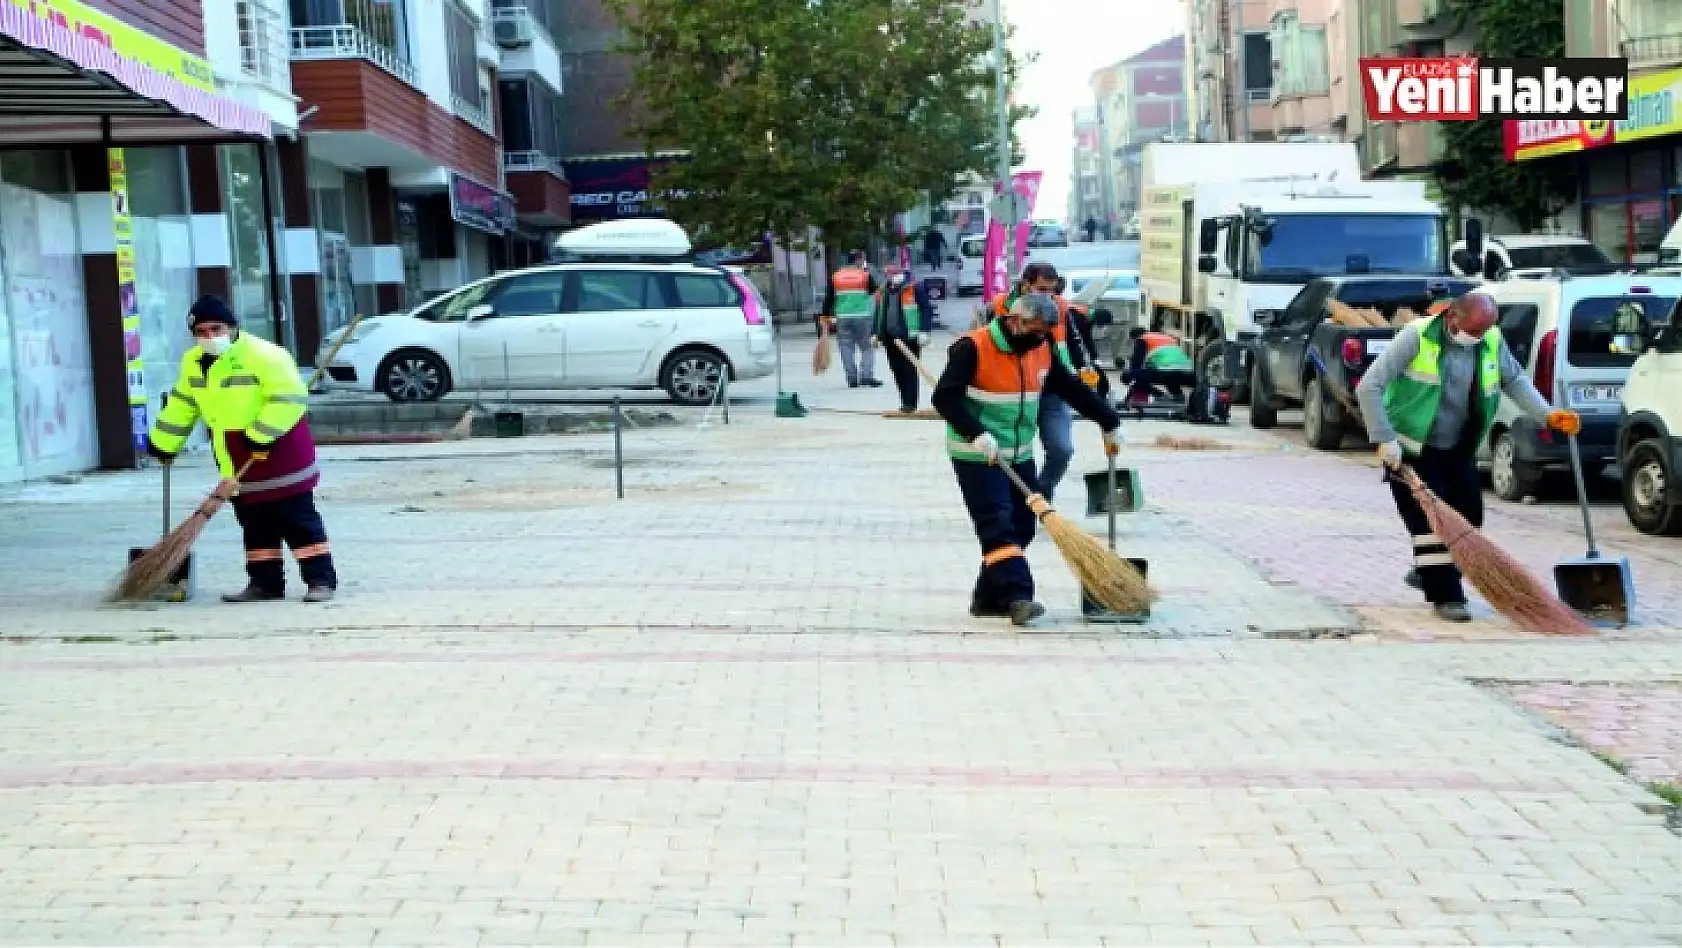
(744, 706)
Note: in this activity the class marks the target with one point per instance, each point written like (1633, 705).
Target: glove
(1565, 421)
(922, 340)
(1112, 441)
(158, 454)
(1390, 453)
(988, 446)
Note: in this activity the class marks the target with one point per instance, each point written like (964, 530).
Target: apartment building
(1264, 70)
(1086, 191)
(1630, 174)
(1138, 100)
(1401, 28)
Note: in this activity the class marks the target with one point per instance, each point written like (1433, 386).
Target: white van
(973, 251)
(1564, 332)
(1532, 256)
(1650, 438)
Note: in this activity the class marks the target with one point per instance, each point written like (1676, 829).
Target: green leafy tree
(1475, 173)
(827, 114)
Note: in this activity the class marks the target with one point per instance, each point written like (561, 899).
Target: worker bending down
(1430, 400)
(989, 395)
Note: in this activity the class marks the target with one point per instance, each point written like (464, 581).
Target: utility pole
(1005, 190)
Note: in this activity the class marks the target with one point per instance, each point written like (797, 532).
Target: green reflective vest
(1168, 359)
(1411, 400)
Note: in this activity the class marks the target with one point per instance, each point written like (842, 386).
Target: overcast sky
(1073, 38)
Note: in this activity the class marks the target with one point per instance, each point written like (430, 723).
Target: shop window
(243, 186)
(1609, 229)
(1648, 224)
(166, 280)
(1646, 172)
(1608, 174)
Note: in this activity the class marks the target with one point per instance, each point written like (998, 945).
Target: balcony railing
(1643, 51)
(1259, 95)
(517, 161)
(263, 43)
(347, 41)
(476, 115)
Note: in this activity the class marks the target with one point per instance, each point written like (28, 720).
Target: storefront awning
(106, 81)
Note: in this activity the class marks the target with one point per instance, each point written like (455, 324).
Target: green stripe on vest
(1411, 401)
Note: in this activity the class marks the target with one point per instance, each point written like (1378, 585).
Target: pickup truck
(1304, 359)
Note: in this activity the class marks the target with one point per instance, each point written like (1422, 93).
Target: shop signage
(613, 188)
(1653, 113)
(146, 65)
(480, 207)
(128, 300)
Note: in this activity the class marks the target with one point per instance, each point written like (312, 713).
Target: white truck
(1231, 228)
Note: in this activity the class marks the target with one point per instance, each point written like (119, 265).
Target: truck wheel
(1211, 370)
(1649, 489)
(1262, 412)
(1322, 418)
(1512, 479)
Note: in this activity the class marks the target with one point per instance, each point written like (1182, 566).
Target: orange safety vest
(1004, 396)
(852, 293)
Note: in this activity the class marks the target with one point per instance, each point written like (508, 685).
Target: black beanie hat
(210, 309)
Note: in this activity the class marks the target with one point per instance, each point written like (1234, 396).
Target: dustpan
(1601, 589)
(1092, 611)
(181, 585)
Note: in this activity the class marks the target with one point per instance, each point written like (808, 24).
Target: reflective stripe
(276, 483)
(1000, 398)
(1424, 378)
(1433, 559)
(180, 431)
(266, 430)
(198, 382)
(1408, 443)
(1000, 555)
(263, 556)
(311, 551)
(1426, 539)
(290, 399)
(234, 380)
(180, 396)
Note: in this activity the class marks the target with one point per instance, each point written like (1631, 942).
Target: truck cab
(1572, 336)
(1650, 431)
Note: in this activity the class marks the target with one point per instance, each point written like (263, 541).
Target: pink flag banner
(997, 272)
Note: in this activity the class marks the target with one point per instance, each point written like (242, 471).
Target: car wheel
(1649, 490)
(693, 376)
(1322, 419)
(414, 375)
(1262, 412)
(1511, 479)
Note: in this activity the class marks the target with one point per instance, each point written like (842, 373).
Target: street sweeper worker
(1157, 359)
(846, 312)
(902, 313)
(248, 393)
(1429, 401)
(990, 395)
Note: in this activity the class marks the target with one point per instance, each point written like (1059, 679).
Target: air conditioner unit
(513, 31)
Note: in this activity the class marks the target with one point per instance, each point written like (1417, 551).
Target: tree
(834, 115)
(1475, 173)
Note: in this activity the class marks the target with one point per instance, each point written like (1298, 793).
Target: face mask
(1462, 339)
(1022, 342)
(897, 280)
(216, 345)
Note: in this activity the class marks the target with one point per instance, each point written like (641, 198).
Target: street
(745, 704)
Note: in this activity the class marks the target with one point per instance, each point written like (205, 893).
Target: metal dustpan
(1601, 589)
(180, 586)
(1092, 611)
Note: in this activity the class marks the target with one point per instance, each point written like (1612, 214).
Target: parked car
(1529, 256)
(636, 315)
(972, 271)
(1305, 360)
(1562, 331)
(1047, 234)
(1114, 312)
(1650, 431)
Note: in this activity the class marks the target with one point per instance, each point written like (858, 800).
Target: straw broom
(1109, 580)
(152, 569)
(822, 355)
(1504, 582)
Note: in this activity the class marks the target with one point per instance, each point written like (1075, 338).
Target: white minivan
(628, 308)
(1565, 332)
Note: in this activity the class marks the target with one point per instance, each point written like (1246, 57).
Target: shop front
(97, 240)
(1629, 172)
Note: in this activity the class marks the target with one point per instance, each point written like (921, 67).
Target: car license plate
(1377, 346)
(1596, 393)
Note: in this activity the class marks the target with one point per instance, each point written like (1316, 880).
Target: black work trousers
(289, 522)
(905, 373)
(1005, 526)
(1453, 476)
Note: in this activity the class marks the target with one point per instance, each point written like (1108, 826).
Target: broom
(1109, 580)
(1504, 582)
(153, 568)
(821, 356)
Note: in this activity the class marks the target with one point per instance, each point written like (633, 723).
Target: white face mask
(216, 345)
(1463, 339)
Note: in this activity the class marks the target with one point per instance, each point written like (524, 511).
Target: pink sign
(997, 272)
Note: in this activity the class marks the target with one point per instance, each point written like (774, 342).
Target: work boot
(852, 383)
(1452, 612)
(871, 383)
(908, 409)
(1024, 611)
(983, 610)
(319, 594)
(253, 593)
(1412, 579)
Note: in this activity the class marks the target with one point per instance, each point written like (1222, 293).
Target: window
(1518, 328)
(1595, 323)
(453, 308)
(531, 117)
(1258, 63)
(531, 294)
(1577, 258)
(702, 291)
(1298, 247)
(1300, 52)
(464, 55)
(607, 291)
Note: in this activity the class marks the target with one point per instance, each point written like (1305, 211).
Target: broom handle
(921, 369)
(1577, 475)
(1014, 477)
(1109, 504)
(322, 363)
(166, 468)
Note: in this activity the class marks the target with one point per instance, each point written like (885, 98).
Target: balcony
(348, 41)
(542, 195)
(1646, 52)
(518, 162)
(475, 115)
(527, 46)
